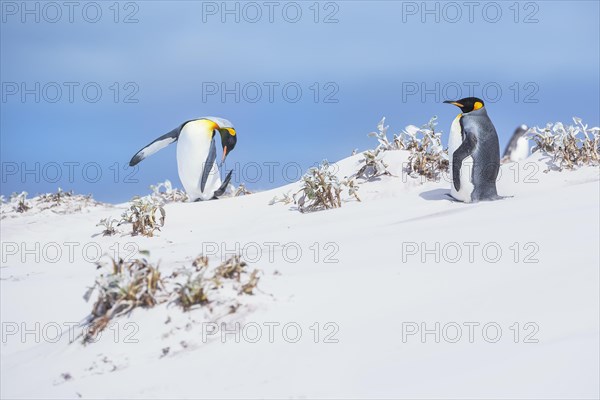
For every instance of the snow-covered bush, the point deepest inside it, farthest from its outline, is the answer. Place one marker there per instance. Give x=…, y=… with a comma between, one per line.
x=427, y=156
x=373, y=165
x=285, y=198
x=322, y=189
x=381, y=136
x=146, y=215
x=241, y=190
x=59, y=203
x=20, y=203
x=570, y=146
x=55, y=198
x=109, y=226
x=165, y=192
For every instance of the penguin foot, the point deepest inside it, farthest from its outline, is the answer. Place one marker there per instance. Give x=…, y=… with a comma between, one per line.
x=495, y=197
x=502, y=197
x=223, y=187
x=452, y=199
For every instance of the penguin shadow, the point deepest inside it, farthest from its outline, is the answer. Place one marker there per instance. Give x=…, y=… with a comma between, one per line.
x=437, y=195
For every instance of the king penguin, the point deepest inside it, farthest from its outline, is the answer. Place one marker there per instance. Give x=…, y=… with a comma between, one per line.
x=474, y=152
x=196, y=155
x=517, y=148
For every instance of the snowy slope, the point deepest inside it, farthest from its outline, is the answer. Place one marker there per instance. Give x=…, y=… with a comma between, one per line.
x=374, y=277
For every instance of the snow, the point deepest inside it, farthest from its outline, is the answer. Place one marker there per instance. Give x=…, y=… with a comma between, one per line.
x=369, y=281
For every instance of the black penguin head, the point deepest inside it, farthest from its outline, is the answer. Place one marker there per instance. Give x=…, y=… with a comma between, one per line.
x=228, y=140
x=227, y=132
x=521, y=130
x=467, y=104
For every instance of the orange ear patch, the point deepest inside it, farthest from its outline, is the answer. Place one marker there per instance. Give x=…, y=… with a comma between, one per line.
x=477, y=105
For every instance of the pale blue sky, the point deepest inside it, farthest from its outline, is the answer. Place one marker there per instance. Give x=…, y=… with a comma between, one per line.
x=367, y=61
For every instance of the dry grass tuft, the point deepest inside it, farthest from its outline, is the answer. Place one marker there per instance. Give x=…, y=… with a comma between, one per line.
x=109, y=226
x=248, y=287
x=241, y=191
x=146, y=215
x=285, y=198
x=193, y=291
x=129, y=285
x=321, y=189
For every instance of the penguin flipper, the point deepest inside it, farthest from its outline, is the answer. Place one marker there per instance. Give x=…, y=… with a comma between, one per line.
x=156, y=145
x=208, y=164
x=463, y=151
x=223, y=187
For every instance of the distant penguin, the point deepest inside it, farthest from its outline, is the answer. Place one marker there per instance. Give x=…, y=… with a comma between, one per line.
x=517, y=148
x=196, y=155
x=474, y=153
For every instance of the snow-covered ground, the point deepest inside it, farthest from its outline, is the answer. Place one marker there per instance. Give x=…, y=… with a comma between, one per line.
x=404, y=294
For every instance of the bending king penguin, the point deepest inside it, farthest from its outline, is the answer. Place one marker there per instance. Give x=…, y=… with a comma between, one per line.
x=474, y=153
x=196, y=155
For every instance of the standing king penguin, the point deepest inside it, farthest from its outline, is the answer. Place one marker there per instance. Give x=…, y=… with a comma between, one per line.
x=474, y=153
x=196, y=155
x=517, y=148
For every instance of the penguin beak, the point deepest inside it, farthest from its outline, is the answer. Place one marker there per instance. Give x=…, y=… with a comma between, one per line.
x=453, y=102
x=228, y=139
x=224, y=154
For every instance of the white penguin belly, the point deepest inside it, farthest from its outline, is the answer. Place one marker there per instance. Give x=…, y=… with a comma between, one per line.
x=466, y=181
x=521, y=151
x=193, y=147
x=455, y=138
x=466, y=184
